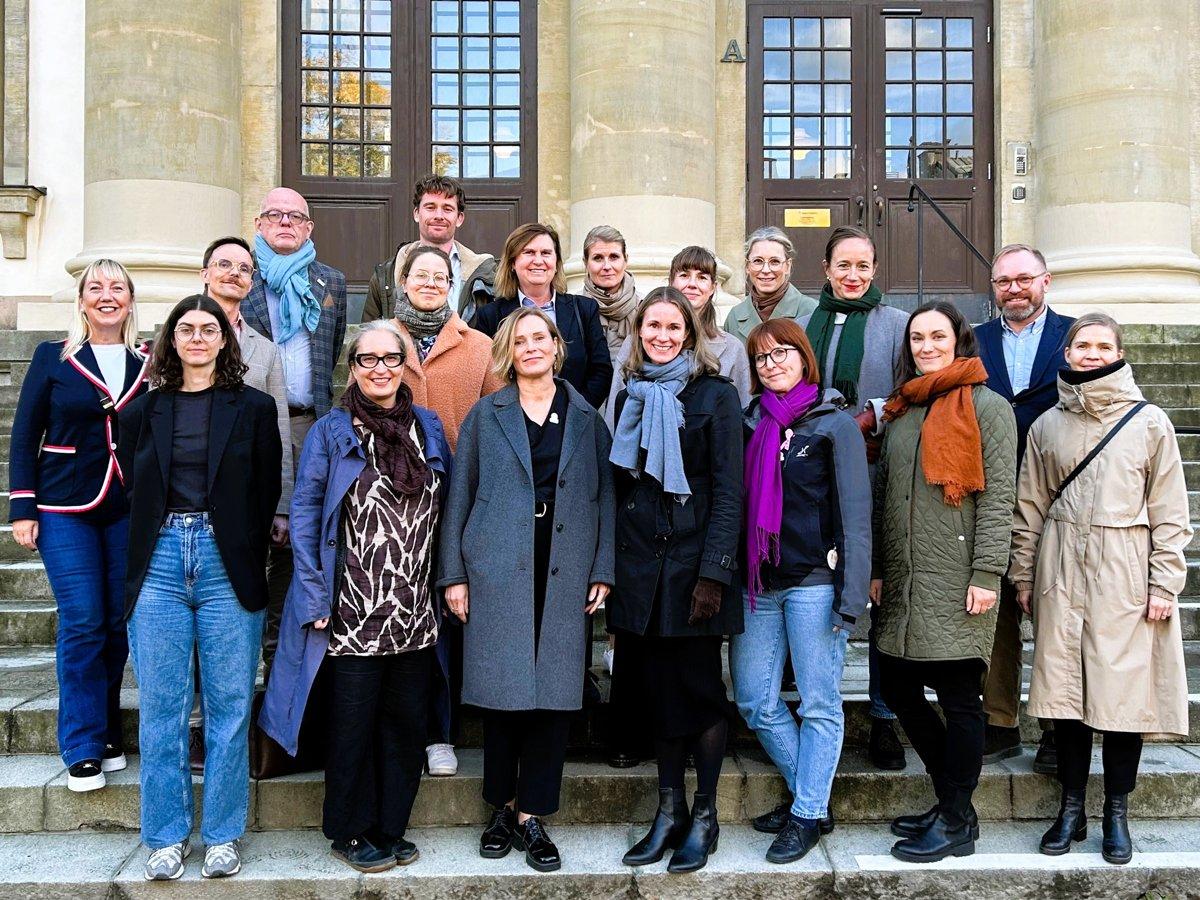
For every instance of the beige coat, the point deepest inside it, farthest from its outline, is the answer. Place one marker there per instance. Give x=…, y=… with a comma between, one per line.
x=264, y=372
x=1091, y=558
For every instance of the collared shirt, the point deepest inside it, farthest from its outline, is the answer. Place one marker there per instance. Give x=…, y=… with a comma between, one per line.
x=548, y=309
x=297, y=358
x=456, y=275
x=1020, y=350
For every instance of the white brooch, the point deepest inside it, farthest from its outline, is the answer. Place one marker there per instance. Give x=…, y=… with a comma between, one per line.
x=553, y=418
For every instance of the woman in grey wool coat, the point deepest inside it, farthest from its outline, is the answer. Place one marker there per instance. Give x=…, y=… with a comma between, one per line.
x=527, y=555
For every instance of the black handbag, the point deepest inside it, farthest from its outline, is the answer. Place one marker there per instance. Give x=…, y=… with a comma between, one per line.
x=269, y=760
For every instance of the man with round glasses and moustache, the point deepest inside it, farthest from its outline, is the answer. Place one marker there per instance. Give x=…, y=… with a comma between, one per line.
x=1022, y=350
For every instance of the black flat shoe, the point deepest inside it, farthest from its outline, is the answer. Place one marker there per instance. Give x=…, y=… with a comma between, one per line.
x=1000, y=743
x=1117, y=847
x=772, y=822
x=619, y=759
x=497, y=838
x=360, y=854
x=1070, y=826
x=405, y=852
x=540, y=852
x=793, y=842
x=701, y=838
x=946, y=836
x=1046, y=760
x=916, y=825
x=884, y=748
x=667, y=832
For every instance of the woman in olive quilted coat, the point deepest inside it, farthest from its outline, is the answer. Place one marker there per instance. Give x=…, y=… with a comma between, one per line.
x=944, y=494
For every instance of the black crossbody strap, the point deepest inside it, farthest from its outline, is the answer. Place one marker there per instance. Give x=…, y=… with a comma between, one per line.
x=1112, y=433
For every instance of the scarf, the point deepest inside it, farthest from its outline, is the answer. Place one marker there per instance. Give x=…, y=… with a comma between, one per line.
x=421, y=323
x=766, y=303
x=287, y=277
x=617, y=305
x=1083, y=376
x=951, y=446
x=847, y=360
x=651, y=420
x=395, y=450
x=764, y=477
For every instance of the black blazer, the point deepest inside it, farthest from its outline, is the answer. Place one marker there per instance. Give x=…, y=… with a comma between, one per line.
x=245, y=461
x=588, y=367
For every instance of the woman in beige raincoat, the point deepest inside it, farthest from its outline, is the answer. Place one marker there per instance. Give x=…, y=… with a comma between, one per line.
x=1100, y=568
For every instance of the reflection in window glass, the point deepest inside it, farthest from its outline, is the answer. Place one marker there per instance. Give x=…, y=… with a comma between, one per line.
x=958, y=32
x=775, y=33
x=315, y=160
x=959, y=131
x=837, y=164
x=347, y=161
x=315, y=50
x=806, y=33
x=958, y=98
x=806, y=164
x=929, y=98
x=898, y=98
x=837, y=66
x=346, y=15
x=777, y=164
x=316, y=87
x=506, y=162
x=315, y=15
x=929, y=32
x=958, y=66
x=475, y=161
x=347, y=52
x=806, y=132
x=379, y=89
x=897, y=163
x=347, y=88
x=776, y=98
x=897, y=33
x=898, y=65
x=837, y=32
x=379, y=125
x=929, y=65
x=377, y=161
x=837, y=98
x=445, y=160
x=315, y=123
x=347, y=124
x=961, y=164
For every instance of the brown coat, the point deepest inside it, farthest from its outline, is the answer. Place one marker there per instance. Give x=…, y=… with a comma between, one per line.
x=455, y=374
x=1117, y=534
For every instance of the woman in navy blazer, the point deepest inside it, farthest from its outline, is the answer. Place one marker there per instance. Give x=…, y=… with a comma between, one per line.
x=66, y=501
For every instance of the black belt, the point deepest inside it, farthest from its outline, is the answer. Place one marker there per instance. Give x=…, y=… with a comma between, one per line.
x=295, y=411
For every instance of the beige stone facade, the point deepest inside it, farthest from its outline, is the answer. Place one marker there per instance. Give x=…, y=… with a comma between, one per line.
x=640, y=125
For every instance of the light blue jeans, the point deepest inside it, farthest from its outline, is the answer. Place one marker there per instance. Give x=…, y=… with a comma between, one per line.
x=800, y=620
x=187, y=603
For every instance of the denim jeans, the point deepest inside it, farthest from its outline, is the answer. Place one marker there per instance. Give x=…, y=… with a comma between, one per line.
x=799, y=620
x=85, y=563
x=187, y=602
x=877, y=709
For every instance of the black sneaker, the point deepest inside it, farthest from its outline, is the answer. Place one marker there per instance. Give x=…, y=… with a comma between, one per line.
x=1000, y=743
x=1046, y=761
x=540, y=852
x=196, y=749
x=359, y=853
x=113, y=759
x=86, y=775
x=885, y=750
x=772, y=822
x=793, y=842
x=404, y=851
x=497, y=838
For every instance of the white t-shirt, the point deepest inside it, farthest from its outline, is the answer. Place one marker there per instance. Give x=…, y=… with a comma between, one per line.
x=111, y=358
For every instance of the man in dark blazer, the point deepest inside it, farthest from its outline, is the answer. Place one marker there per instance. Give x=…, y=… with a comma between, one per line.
x=1022, y=350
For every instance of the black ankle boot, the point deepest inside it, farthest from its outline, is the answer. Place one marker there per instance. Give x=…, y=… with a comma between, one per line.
x=1071, y=824
x=949, y=834
x=670, y=827
x=915, y=825
x=1117, y=847
x=701, y=837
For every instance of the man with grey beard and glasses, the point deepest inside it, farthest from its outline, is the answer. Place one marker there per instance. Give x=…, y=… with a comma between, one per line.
x=1022, y=350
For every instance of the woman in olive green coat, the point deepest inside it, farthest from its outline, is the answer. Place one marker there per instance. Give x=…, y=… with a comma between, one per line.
x=944, y=493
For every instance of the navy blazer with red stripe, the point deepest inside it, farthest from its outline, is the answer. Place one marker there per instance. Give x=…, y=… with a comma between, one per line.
x=62, y=457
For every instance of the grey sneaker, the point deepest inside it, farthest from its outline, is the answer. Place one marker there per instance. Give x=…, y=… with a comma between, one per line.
x=166, y=863
x=221, y=860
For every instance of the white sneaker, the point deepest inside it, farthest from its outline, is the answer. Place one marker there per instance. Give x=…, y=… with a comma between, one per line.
x=222, y=860
x=441, y=760
x=166, y=863
x=113, y=759
x=608, y=659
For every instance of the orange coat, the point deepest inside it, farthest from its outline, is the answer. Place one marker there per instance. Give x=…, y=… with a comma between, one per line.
x=455, y=374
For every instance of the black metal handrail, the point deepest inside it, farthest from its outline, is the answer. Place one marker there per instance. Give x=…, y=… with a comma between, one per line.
x=916, y=194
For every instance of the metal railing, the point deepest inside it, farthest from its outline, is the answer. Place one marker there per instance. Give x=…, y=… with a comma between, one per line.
x=917, y=199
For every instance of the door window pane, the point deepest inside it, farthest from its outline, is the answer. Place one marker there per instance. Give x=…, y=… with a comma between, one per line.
x=315, y=15
x=347, y=161
x=445, y=90
x=837, y=131
x=506, y=17
x=777, y=164
x=898, y=130
x=776, y=65
x=445, y=159
x=346, y=15
x=959, y=131
x=897, y=163
x=775, y=33
x=929, y=32
x=806, y=164
x=315, y=50
x=347, y=88
x=958, y=65
x=315, y=123
x=837, y=98
x=316, y=87
x=958, y=98
x=776, y=98
x=445, y=16
x=476, y=89
x=898, y=65
x=506, y=126
x=961, y=164
x=806, y=98
x=379, y=52
x=477, y=53
x=806, y=65
x=898, y=98
x=315, y=160
x=506, y=90
x=929, y=65
x=347, y=124
x=379, y=89
x=837, y=164
x=929, y=98
x=806, y=33
x=476, y=17
x=508, y=53
x=897, y=33
x=475, y=161
x=377, y=16
x=958, y=32
x=837, y=66
x=806, y=132
x=445, y=125
x=445, y=53
x=929, y=130
x=377, y=161
x=476, y=125
x=506, y=162
x=378, y=125
x=837, y=32
x=775, y=131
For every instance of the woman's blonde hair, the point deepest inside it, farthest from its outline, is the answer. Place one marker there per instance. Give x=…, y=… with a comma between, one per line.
x=80, y=329
x=506, y=338
x=703, y=360
x=1095, y=318
x=506, y=284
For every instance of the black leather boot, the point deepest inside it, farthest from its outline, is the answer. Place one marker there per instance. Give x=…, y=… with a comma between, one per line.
x=1117, y=847
x=918, y=824
x=1071, y=824
x=701, y=838
x=670, y=827
x=949, y=834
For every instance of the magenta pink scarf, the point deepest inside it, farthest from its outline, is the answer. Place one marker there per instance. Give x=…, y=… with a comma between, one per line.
x=764, y=478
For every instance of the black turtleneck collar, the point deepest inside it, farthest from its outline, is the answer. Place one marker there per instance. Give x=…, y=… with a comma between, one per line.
x=1083, y=376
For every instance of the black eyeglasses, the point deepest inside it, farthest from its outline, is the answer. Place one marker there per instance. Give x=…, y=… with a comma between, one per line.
x=777, y=355
x=275, y=216
x=371, y=360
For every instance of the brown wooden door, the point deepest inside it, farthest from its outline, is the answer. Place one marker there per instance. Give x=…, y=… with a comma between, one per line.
x=378, y=93
x=848, y=101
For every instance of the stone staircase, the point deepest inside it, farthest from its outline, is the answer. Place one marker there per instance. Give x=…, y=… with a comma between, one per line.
x=60, y=844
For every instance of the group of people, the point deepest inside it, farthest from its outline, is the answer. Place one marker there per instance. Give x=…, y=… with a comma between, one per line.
x=508, y=458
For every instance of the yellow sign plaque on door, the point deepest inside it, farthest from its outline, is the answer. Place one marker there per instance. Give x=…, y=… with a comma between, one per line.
x=806, y=218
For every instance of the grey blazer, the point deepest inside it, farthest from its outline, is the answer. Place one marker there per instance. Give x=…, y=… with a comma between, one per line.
x=266, y=374
x=487, y=544
x=882, y=343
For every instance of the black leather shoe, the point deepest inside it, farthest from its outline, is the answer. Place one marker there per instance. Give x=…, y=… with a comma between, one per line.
x=701, y=839
x=1000, y=743
x=497, y=838
x=772, y=822
x=196, y=749
x=1117, y=847
x=670, y=827
x=540, y=852
x=1046, y=761
x=793, y=842
x=359, y=853
x=884, y=748
x=619, y=759
x=1071, y=825
x=914, y=826
x=405, y=852
x=948, y=835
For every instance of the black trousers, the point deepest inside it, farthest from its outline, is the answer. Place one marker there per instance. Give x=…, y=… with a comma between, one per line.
x=1122, y=753
x=952, y=751
x=523, y=756
x=377, y=743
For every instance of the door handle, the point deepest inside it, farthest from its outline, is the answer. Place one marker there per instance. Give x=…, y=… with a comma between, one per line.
x=862, y=210
x=879, y=208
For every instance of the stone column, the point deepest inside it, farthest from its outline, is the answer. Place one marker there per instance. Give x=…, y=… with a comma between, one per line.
x=643, y=128
x=162, y=167
x=1112, y=158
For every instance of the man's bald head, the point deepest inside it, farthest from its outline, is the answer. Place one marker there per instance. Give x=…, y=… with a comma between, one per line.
x=293, y=226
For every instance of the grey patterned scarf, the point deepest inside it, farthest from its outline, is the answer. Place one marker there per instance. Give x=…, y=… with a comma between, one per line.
x=419, y=322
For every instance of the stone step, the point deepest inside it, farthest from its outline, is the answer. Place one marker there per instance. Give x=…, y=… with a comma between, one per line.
x=25, y=579
x=1188, y=417
x=34, y=794
x=1162, y=352
x=10, y=550
x=852, y=862
x=1172, y=394
x=1148, y=373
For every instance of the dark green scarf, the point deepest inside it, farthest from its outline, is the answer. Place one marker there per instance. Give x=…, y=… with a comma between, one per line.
x=847, y=360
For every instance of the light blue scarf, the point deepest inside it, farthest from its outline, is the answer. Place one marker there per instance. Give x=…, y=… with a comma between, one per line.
x=287, y=277
x=651, y=420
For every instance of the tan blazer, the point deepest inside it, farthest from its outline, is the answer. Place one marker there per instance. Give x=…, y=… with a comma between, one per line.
x=265, y=373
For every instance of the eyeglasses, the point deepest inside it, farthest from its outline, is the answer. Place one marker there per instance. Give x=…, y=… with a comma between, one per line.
x=275, y=216
x=1021, y=281
x=371, y=360
x=227, y=265
x=758, y=264
x=437, y=279
x=207, y=333
x=777, y=355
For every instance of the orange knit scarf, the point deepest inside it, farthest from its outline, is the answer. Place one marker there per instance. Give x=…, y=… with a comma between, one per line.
x=951, y=446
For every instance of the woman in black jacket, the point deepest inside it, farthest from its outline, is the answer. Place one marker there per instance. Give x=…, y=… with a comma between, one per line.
x=202, y=462
x=678, y=453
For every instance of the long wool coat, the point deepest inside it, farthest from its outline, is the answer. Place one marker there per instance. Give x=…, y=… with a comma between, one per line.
x=487, y=543
x=1117, y=534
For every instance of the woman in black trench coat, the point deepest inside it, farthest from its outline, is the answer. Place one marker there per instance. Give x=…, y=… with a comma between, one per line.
x=677, y=451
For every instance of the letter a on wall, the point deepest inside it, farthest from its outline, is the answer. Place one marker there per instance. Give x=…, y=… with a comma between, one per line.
x=733, y=53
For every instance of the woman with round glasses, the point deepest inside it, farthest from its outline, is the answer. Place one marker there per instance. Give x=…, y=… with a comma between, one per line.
x=369, y=493
x=770, y=293
x=202, y=463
